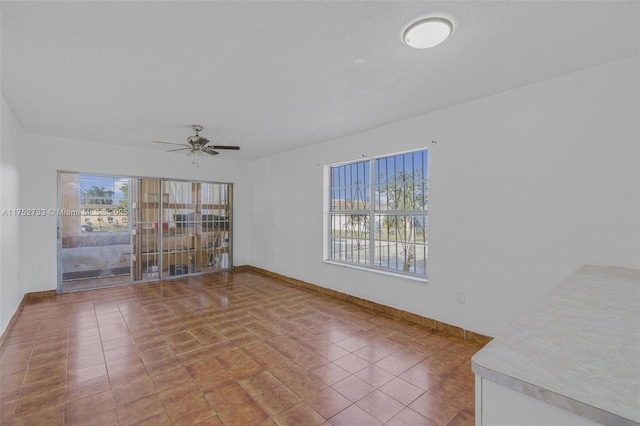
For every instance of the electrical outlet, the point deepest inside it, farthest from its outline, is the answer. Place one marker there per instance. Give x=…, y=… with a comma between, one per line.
x=461, y=296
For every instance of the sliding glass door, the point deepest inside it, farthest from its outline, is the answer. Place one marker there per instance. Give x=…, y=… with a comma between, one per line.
x=95, y=241
x=116, y=230
x=181, y=228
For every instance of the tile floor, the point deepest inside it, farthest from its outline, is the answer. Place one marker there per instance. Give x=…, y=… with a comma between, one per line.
x=227, y=349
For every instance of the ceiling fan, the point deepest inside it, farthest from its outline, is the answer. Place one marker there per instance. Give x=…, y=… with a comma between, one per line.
x=198, y=145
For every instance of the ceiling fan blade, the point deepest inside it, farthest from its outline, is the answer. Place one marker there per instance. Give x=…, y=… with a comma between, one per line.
x=170, y=143
x=235, y=148
x=197, y=143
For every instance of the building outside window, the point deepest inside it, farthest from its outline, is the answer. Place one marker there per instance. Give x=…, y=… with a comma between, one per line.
x=378, y=213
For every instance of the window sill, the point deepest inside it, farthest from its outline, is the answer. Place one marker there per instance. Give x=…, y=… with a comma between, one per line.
x=379, y=271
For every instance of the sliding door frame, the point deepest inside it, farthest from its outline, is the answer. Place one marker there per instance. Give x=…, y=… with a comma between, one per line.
x=133, y=205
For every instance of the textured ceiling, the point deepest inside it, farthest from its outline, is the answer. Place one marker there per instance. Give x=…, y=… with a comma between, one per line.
x=274, y=76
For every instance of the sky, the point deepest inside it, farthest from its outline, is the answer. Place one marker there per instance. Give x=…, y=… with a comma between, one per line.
x=352, y=181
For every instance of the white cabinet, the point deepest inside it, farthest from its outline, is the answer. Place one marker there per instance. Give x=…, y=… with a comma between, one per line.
x=497, y=405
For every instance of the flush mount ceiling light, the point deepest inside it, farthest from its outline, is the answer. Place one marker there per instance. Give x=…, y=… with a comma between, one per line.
x=427, y=33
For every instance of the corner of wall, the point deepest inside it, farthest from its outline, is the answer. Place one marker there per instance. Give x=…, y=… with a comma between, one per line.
x=11, y=288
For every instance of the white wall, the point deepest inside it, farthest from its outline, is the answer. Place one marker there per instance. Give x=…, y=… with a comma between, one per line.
x=11, y=290
x=524, y=187
x=39, y=186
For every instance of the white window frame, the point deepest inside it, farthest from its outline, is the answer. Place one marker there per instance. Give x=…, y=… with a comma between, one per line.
x=374, y=211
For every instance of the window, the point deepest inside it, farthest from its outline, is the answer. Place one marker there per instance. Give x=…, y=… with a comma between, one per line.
x=378, y=213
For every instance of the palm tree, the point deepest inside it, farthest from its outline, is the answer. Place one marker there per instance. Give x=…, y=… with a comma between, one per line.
x=99, y=196
x=124, y=203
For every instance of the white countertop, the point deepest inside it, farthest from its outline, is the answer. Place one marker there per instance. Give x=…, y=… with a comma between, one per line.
x=578, y=348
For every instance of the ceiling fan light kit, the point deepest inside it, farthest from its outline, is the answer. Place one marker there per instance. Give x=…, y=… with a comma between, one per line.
x=197, y=146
